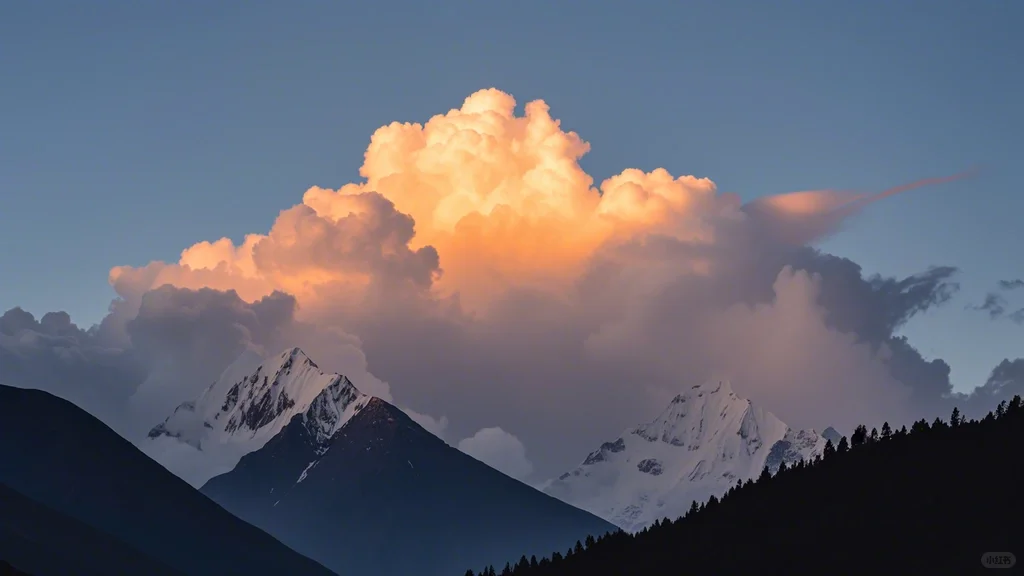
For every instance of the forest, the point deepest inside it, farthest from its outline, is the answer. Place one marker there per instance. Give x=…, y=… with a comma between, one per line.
x=933, y=499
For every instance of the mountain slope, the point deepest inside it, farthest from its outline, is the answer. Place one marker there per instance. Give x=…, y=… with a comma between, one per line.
x=60, y=456
x=383, y=497
x=705, y=441
x=938, y=500
x=250, y=403
x=43, y=542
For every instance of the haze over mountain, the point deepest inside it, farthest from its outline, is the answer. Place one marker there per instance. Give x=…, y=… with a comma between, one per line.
x=706, y=441
x=71, y=463
x=355, y=483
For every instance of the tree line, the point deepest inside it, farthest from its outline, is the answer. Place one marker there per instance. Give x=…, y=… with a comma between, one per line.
x=929, y=500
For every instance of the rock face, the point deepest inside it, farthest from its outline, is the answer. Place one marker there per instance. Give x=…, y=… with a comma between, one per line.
x=705, y=441
x=383, y=496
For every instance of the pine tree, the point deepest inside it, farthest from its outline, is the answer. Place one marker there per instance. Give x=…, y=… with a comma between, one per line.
x=766, y=475
x=578, y=548
x=693, y=509
x=533, y=561
x=829, y=448
x=874, y=435
x=1001, y=409
x=843, y=445
x=782, y=467
x=1014, y=405
x=589, y=542
x=955, y=418
x=507, y=571
x=886, y=431
x=860, y=435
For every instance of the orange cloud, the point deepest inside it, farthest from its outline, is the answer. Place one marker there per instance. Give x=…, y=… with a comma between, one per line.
x=472, y=202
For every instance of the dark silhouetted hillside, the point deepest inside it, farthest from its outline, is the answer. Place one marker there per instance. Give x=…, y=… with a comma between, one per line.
x=932, y=500
x=8, y=570
x=43, y=542
x=58, y=455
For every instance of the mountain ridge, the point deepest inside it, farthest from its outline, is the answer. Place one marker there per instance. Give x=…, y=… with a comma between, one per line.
x=384, y=496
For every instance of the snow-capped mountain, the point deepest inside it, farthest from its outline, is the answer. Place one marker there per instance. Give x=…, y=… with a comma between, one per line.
x=384, y=496
x=248, y=405
x=704, y=442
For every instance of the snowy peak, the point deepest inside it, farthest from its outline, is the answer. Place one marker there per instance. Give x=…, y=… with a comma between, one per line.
x=705, y=441
x=253, y=400
x=697, y=415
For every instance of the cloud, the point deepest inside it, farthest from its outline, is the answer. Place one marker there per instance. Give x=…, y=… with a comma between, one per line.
x=179, y=341
x=435, y=426
x=994, y=305
x=79, y=365
x=997, y=306
x=1011, y=284
x=499, y=450
x=477, y=271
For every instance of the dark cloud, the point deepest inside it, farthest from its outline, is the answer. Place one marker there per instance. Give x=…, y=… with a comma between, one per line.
x=55, y=355
x=1011, y=284
x=996, y=305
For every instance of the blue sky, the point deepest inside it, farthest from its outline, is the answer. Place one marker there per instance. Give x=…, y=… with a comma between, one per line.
x=129, y=131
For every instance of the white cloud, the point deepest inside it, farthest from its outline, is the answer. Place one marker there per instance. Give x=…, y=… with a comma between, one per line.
x=499, y=450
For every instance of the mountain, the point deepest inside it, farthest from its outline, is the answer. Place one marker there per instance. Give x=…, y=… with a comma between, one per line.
x=941, y=499
x=43, y=542
x=249, y=404
x=68, y=461
x=704, y=442
x=379, y=496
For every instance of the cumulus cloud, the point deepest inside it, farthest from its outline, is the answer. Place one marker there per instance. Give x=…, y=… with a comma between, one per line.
x=435, y=426
x=481, y=273
x=499, y=450
x=82, y=366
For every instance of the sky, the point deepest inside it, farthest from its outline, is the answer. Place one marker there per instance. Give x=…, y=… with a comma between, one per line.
x=133, y=131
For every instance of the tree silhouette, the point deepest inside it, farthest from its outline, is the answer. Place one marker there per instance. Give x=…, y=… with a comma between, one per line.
x=859, y=436
x=801, y=520
x=829, y=448
x=954, y=418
